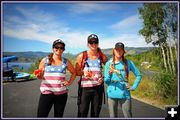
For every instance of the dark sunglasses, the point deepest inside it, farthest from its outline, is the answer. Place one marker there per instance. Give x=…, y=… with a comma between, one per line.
x=93, y=42
x=62, y=48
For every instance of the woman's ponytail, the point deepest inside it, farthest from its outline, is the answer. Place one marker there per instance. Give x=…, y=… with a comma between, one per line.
x=50, y=58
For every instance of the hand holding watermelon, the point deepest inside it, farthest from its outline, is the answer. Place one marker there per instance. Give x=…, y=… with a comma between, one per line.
x=88, y=74
x=38, y=73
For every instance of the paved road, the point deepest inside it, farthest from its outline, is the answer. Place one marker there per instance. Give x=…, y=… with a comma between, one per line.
x=20, y=100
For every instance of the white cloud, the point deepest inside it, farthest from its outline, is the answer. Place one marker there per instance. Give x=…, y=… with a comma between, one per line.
x=48, y=30
x=42, y=26
x=35, y=14
x=34, y=25
x=129, y=40
x=89, y=8
x=127, y=24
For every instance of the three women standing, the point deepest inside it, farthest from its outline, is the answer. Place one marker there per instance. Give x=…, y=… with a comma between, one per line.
x=89, y=67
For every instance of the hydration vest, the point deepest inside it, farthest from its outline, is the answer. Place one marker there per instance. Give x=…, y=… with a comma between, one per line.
x=94, y=66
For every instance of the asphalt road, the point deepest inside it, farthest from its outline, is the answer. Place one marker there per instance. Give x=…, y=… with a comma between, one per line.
x=20, y=100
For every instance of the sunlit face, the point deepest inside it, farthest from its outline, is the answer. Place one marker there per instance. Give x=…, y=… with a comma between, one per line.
x=118, y=52
x=58, y=49
x=93, y=45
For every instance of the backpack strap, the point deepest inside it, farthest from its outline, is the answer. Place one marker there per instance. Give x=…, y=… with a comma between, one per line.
x=126, y=75
x=84, y=60
x=85, y=57
x=100, y=56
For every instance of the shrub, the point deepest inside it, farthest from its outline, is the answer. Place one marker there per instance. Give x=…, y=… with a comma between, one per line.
x=165, y=84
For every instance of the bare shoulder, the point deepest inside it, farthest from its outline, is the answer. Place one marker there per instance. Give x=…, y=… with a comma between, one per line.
x=69, y=61
x=42, y=60
x=79, y=57
x=42, y=63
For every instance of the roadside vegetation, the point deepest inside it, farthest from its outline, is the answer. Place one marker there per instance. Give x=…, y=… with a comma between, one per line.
x=159, y=88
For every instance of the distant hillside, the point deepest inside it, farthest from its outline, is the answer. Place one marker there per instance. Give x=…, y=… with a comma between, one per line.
x=33, y=56
x=129, y=50
x=26, y=56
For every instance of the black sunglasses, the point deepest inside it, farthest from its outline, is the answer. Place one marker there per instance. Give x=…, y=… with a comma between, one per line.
x=62, y=48
x=93, y=42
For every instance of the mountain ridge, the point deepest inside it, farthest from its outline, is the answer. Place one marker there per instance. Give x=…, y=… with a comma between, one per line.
x=32, y=56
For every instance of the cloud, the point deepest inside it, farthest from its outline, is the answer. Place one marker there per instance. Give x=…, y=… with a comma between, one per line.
x=89, y=8
x=132, y=23
x=35, y=14
x=35, y=24
x=29, y=26
x=129, y=40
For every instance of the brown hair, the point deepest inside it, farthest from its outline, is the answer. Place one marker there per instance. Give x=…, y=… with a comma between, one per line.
x=124, y=61
x=113, y=57
x=50, y=58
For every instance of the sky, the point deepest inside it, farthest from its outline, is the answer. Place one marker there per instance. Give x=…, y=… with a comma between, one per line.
x=34, y=26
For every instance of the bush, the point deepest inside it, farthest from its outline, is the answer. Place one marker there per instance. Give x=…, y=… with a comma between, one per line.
x=165, y=84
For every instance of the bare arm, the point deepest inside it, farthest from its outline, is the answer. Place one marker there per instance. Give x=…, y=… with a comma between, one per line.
x=72, y=71
x=79, y=71
x=41, y=66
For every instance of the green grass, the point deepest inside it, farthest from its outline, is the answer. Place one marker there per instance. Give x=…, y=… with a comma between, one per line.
x=146, y=92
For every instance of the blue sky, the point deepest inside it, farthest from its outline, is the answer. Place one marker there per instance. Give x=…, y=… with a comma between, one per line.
x=34, y=26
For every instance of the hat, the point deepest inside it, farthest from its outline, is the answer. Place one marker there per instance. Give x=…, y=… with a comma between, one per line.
x=93, y=37
x=119, y=45
x=58, y=41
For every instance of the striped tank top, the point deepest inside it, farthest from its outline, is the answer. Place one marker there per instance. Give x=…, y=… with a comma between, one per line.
x=95, y=68
x=54, y=76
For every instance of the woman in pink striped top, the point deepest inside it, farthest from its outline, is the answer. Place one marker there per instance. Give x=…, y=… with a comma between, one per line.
x=54, y=84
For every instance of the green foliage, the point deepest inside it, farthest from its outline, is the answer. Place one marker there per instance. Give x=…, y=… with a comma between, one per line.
x=152, y=56
x=153, y=15
x=162, y=86
x=34, y=66
x=165, y=85
x=17, y=69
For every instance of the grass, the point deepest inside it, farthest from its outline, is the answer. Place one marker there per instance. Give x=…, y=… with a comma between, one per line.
x=145, y=92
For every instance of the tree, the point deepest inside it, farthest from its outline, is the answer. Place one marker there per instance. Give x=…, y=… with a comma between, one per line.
x=170, y=11
x=160, y=25
x=153, y=16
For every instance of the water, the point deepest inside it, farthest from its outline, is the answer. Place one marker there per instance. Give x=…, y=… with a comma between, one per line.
x=23, y=66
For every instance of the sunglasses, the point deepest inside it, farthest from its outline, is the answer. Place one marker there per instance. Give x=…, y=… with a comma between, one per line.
x=93, y=42
x=62, y=48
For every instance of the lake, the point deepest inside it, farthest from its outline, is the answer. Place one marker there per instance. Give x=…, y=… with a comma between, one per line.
x=24, y=66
